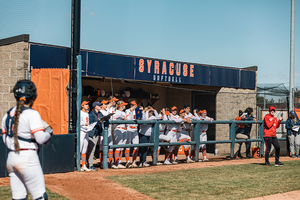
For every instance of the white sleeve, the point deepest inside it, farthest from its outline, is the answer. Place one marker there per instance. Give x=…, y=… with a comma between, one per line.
x=156, y=114
x=4, y=129
x=145, y=115
x=35, y=123
x=196, y=116
x=177, y=120
x=41, y=137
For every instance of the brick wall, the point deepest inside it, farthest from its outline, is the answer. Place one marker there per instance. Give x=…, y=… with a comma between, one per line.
x=177, y=97
x=14, y=60
x=228, y=103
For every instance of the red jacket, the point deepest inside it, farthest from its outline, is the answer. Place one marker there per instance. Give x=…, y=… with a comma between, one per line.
x=270, y=125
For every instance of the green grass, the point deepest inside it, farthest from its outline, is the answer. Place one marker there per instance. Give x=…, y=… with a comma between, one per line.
x=5, y=193
x=223, y=182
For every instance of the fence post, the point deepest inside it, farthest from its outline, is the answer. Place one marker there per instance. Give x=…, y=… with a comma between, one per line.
x=156, y=141
x=105, y=145
x=197, y=140
x=261, y=135
x=232, y=138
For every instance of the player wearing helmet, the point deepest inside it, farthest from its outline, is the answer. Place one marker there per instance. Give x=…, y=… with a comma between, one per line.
x=23, y=131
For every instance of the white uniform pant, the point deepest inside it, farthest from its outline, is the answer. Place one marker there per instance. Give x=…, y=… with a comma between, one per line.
x=173, y=135
x=132, y=137
x=203, y=137
x=25, y=173
x=84, y=141
x=181, y=137
x=120, y=136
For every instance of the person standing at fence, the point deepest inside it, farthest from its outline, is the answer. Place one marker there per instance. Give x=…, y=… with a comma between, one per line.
x=163, y=115
x=132, y=135
x=111, y=109
x=203, y=135
x=239, y=133
x=190, y=116
x=23, y=131
x=120, y=133
x=104, y=112
x=94, y=116
x=145, y=134
x=270, y=125
x=248, y=117
x=183, y=135
x=84, y=136
x=292, y=126
x=172, y=132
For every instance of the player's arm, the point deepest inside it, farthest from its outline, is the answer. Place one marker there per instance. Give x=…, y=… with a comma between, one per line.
x=42, y=131
x=268, y=123
x=4, y=129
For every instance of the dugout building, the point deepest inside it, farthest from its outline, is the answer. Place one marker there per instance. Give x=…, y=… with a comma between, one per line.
x=222, y=91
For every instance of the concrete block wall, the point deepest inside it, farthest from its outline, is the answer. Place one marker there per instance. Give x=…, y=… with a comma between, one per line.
x=177, y=97
x=228, y=103
x=14, y=60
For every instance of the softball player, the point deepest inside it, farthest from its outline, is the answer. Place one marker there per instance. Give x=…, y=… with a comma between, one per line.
x=84, y=136
x=132, y=135
x=103, y=110
x=183, y=135
x=23, y=131
x=189, y=127
x=111, y=109
x=172, y=132
x=120, y=133
x=203, y=129
x=145, y=134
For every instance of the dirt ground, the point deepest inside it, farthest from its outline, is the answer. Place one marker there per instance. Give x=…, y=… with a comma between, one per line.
x=94, y=185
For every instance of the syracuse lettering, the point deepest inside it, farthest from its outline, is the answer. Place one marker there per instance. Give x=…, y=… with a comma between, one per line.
x=166, y=71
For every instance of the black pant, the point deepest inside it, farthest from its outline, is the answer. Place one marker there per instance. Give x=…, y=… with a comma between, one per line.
x=269, y=141
x=143, y=150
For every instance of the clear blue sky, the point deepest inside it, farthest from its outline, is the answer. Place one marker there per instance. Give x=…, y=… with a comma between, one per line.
x=233, y=33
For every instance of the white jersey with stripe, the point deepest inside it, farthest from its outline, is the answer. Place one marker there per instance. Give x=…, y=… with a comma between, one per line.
x=119, y=115
x=131, y=116
x=84, y=118
x=147, y=129
x=177, y=119
x=30, y=122
x=204, y=127
x=162, y=126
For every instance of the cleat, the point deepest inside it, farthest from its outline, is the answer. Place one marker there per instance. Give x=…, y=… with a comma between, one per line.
x=92, y=168
x=114, y=167
x=128, y=165
x=84, y=168
x=278, y=164
x=175, y=162
x=159, y=163
x=190, y=161
x=134, y=165
x=268, y=164
x=205, y=160
x=120, y=166
x=167, y=162
x=145, y=164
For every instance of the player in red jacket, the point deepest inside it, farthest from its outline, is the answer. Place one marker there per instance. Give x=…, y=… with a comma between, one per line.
x=270, y=126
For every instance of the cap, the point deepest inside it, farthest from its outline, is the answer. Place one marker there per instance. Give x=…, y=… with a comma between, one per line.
x=293, y=113
x=167, y=112
x=84, y=103
x=133, y=103
x=181, y=111
x=272, y=108
x=104, y=102
x=123, y=104
x=96, y=103
x=173, y=108
x=151, y=108
x=113, y=99
x=203, y=111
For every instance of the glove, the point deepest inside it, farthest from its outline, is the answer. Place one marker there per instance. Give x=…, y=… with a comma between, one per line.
x=49, y=130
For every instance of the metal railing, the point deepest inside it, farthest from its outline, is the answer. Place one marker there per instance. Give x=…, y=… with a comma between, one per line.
x=196, y=130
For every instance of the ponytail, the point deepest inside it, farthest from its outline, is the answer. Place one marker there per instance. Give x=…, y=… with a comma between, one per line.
x=20, y=105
